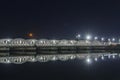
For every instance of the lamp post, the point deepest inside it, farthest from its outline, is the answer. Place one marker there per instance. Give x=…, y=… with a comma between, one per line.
x=78, y=36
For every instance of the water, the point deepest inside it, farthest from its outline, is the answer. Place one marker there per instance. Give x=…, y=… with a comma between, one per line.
x=85, y=65
x=108, y=69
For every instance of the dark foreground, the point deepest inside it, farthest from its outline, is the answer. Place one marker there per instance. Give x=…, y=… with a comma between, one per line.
x=108, y=69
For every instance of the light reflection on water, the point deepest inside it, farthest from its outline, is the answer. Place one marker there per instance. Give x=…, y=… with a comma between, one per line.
x=89, y=56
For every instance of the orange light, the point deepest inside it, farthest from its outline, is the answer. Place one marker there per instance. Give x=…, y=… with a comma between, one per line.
x=30, y=35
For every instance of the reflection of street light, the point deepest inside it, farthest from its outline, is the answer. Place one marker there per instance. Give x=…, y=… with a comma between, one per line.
x=96, y=59
x=88, y=37
x=109, y=56
x=33, y=59
x=102, y=57
x=8, y=61
x=88, y=60
x=113, y=56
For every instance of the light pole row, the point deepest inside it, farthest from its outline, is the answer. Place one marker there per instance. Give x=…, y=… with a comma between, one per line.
x=89, y=37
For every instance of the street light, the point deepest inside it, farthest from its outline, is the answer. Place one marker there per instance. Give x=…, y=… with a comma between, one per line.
x=88, y=37
x=95, y=38
x=30, y=35
x=78, y=36
x=102, y=39
x=113, y=39
x=109, y=39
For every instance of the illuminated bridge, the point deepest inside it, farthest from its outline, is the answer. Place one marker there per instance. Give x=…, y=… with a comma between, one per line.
x=19, y=50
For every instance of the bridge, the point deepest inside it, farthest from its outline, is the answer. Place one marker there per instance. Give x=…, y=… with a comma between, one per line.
x=45, y=42
x=20, y=50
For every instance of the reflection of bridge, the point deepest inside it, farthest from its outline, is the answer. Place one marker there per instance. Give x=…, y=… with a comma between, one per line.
x=30, y=50
x=46, y=58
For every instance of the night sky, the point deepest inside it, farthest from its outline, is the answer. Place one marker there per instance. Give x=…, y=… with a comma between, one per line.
x=60, y=20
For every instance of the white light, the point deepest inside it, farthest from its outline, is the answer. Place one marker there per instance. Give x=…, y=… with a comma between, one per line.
x=8, y=39
x=54, y=58
x=102, y=39
x=113, y=56
x=88, y=37
x=96, y=59
x=78, y=36
x=109, y=39
x=119, y=55
x=41, y=41
x=72, y=57
x=54, y=41
x=33, y=59
x=119, y=40
x=71, y=41
x=113, y=39
x=8, y=61
x=109, y=56
x=102, y=57
x=95, y=38
x=88, y=60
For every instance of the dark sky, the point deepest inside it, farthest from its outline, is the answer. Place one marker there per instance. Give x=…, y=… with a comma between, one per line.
x=58, y=19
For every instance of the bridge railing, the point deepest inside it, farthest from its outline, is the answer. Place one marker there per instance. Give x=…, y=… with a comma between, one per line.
x=45, y=42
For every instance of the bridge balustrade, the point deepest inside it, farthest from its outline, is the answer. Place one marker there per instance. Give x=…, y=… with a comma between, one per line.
x=45, y=42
